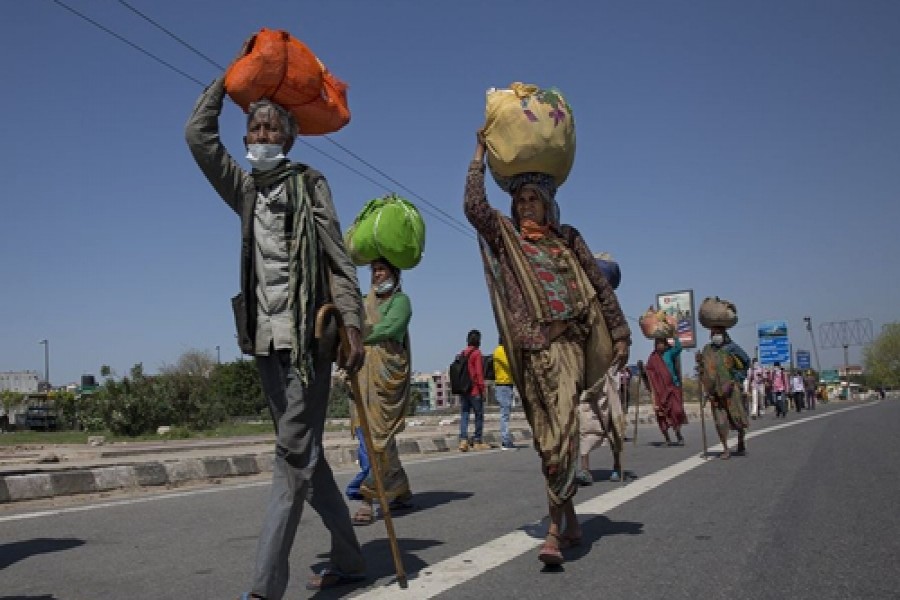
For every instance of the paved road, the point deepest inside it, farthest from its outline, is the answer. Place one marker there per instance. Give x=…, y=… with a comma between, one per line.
x=809, y=514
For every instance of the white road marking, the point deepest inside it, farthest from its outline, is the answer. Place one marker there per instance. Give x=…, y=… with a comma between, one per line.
x=453, y=571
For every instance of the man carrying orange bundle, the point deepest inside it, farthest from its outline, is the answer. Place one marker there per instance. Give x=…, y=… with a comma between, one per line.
x=293, y=262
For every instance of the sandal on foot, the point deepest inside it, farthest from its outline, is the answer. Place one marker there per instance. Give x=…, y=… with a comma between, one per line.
x=550, y=554
x=330, y=578
x=365, y=515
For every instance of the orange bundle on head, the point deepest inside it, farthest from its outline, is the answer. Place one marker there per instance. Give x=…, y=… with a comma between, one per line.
x=284, y=70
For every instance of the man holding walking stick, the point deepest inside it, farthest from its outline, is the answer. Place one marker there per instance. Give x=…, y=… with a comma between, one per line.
x=293, y=262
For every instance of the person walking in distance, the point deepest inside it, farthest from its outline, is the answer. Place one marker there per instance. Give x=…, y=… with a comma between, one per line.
x=756, y=378
x=503, y=388
x=779, y=390
x=665, y=386
x=810, y=383
x=798, y=390
x=474, y=400
x=723, y=366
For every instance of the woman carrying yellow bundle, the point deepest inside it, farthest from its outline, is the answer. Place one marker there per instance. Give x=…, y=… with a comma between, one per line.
x=560, y=321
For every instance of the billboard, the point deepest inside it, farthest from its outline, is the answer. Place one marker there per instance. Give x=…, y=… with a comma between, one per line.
x=774, y=345
x=681, y=306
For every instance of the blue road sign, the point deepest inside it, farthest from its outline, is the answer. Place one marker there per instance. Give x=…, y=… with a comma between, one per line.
x=803, y=361
x=774, y=345
x=774, y=349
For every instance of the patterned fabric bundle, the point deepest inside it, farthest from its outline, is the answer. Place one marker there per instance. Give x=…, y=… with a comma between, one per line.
x=528, y=129
x=656, y=324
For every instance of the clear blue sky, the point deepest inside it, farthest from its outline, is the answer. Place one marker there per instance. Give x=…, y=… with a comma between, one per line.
x=742, y=149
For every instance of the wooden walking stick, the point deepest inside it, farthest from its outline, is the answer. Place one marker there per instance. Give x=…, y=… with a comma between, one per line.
x=637, y=402
x=321, y=316
x=698, y=368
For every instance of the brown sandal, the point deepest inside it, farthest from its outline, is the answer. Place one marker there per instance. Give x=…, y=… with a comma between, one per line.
x=550, y=554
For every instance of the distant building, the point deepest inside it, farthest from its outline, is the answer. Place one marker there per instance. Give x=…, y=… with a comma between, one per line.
x=23, y=382
x=435, y=390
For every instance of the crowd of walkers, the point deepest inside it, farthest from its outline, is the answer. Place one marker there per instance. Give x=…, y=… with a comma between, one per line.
x=780, y=389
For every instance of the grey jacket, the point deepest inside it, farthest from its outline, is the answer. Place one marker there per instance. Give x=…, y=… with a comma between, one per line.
x=237, y=189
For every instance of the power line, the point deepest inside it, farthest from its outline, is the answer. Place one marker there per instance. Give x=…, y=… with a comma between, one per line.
x=171, y=35
x=391, y=179
x=452, y=224
x=130, y=43
x=447, y=219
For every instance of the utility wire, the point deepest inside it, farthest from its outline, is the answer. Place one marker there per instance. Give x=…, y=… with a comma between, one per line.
x=391, y=179
x=453, y=221
x=126, y=41
x=452, y=224
x=171, y=35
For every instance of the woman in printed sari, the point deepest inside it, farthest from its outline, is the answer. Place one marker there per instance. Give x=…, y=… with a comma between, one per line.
x=561, y=323
x=665, y=387
x=384, y=383
x=722, y=367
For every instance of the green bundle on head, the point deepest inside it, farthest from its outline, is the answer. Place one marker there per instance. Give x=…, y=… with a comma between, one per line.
x=389, y=227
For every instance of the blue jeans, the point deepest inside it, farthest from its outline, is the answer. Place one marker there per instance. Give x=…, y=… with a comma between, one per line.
x=504, y=399
x=353, y=487
x=466, y=404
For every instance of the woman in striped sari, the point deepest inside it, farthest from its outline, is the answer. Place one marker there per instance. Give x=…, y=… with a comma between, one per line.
x=561, y=322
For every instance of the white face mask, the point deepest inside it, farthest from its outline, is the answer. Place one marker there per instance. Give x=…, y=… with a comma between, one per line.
x=385, y=287
x=264, y=157
x=718, y=339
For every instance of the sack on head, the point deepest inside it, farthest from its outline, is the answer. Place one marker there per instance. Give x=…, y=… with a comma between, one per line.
x=716, y=312
x=283, y=69
x=528, y=129
x=609, y=268
x=656, y=324
x=389, y=227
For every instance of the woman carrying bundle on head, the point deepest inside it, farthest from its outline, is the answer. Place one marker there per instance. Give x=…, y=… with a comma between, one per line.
x=561, y=324
x=665, y=386
x=722, y=366
x=384, y=382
